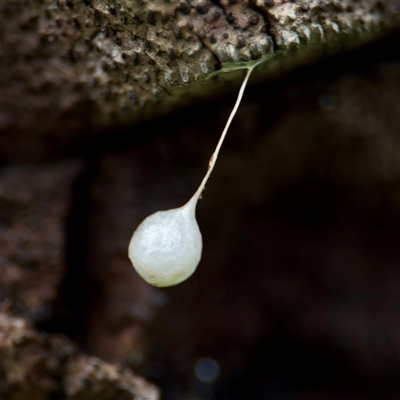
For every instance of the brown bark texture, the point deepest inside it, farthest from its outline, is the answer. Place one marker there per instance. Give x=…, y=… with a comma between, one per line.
x=70, y=66
x=37, y=367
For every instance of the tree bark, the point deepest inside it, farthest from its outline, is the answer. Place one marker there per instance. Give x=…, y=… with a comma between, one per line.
x=72, y=64
x=53, y=367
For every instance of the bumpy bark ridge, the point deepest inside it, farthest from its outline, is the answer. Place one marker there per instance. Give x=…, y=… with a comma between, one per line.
x=70, y=63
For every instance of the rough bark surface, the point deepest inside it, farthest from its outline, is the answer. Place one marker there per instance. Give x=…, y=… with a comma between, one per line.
x=36, y=366
x=73, y=64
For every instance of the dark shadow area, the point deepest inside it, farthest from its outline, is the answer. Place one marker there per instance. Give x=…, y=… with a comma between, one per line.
x=75, y=290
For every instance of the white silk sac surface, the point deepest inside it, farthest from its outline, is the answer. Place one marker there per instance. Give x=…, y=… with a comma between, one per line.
x=166, y=247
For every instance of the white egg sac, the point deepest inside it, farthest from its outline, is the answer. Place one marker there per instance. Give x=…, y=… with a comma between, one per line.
x=166, y=247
